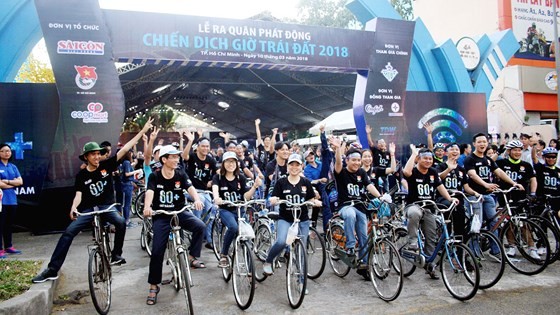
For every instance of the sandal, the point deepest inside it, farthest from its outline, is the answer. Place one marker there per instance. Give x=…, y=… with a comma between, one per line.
x=197, y=264
x=224, y=263
x=152, y=300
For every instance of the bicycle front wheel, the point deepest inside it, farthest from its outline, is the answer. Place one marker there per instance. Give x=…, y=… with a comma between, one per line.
x=147, y=235
x=552, y=235
x=218, y=232
x=520, y=238
x=261, y=246
x=243, y=275
x=336, y=242
x=139, y=204
x=185, y=284
x=459, y=271
x=384, y=266
x=316, y=254
x=296, y=274
x=489, y=252
x=99, y=276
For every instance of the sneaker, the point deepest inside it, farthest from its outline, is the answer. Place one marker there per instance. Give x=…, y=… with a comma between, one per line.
x=267, y=269
x=511, y=251
x=413, y=247
x=209, y=246
x=533, y=254
x=541, y=251
x=350, y=252
x=47, y=274
x=13, y=251
x=3, y=254
x=364, y=273
x=117, y=260
x=224, y=263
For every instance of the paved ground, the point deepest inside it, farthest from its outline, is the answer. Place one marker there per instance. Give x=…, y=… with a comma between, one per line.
x=329, y=293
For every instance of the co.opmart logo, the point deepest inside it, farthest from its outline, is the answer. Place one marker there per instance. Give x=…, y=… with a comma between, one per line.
x=94, y=114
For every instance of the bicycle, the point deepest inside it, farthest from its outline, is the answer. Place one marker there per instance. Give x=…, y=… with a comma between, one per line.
x=177, y=253
x=383, y=261
x=242, y=268
x=548, y=221
x=296, y=266
x=99, y=263
x=516, y=231
x=490, y=264
x=458, y=265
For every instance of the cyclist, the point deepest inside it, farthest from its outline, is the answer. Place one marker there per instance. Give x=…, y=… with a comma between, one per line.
x=201, y=167
x=230, y=185
x=481, y=172
x=293, y=188
x=423, y=183
x=548, y=176
x=278, y=167
x=438, y=148
x=375, y=172
x=94, y=188
x=454, y=177
x=353, y=184
x=165, y=191
x=381, y=156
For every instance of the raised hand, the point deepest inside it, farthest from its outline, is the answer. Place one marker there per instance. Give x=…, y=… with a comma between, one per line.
x=257, y=121
x=392, y=148
x=369, y=129
x=188, y=134
x=414, y=149
x=428, y=126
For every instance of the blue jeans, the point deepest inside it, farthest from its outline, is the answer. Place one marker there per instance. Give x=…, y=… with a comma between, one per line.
x=81, y=223
x=487, y=211
x=229, y=219
x=208, y=207
x=161, y=228
x=327, y=213
x=282, y=227
x=355, y=220
x=127, y=189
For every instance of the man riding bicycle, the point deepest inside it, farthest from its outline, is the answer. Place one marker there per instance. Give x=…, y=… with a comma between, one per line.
x=353, y=184
x=423, y=182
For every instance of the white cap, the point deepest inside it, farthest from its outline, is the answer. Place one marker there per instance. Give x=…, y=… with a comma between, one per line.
x=245, y=143
x=168, y=149
x=157, y=148
x=229, y=155
x=295, y=158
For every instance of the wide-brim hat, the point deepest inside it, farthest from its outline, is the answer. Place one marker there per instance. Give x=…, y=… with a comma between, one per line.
x=91, y=147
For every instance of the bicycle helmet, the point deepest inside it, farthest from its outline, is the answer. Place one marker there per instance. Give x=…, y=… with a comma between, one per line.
x=549, y=150
x=514, y=144
x=439, y=145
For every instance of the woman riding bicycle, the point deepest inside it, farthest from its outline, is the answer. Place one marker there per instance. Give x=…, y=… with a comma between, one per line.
x=296, y=189
x=230, y=185
x=165, y=191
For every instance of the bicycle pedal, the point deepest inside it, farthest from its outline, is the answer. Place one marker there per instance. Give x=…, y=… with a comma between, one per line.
x=165, y=282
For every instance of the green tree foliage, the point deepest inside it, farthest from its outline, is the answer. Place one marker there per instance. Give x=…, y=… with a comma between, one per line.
x=404, y=8
x=34, y=71
x=164, y=116
x=331, y=13
x=334, y=13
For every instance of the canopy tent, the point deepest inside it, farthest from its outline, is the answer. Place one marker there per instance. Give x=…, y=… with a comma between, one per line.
x=343, y=120
x=317, y=140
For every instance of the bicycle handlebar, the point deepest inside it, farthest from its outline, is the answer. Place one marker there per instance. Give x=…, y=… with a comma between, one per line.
x=111, y=208
x=477, y=200
x=297, y=205
x=243, y=204
x=423, y=203
x=174, y=212
x=500, y=191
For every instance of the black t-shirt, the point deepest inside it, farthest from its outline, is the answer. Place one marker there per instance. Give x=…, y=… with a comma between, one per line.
x=248, y=162
x=374, y=174
x=277, y=172
x=298, y=193
x=97, y=186
x=422, y=186
x=263, y=157
x=520, y=173
x=381, y=159
x=548, y=180
x=352, y=186
x=484, y=168
x=168, y=193
x=232, y=191
x=455, y=179
x=201, y=172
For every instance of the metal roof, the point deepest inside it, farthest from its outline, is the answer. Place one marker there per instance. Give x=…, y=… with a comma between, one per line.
x=288, y=100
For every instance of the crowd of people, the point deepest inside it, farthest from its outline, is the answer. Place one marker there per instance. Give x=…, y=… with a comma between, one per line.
x=333, y=176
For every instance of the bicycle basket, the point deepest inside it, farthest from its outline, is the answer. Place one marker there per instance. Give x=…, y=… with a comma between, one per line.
x=245, y=230
x=383, y=208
